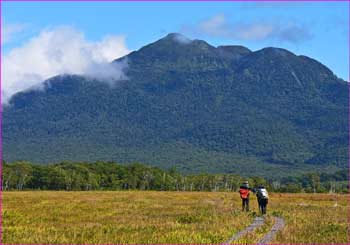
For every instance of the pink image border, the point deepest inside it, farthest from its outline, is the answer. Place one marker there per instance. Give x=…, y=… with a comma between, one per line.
x=1, y=152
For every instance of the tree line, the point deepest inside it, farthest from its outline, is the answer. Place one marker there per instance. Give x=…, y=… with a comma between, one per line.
x=85, y=176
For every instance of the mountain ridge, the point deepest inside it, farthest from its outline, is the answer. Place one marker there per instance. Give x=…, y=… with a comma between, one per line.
x=191, y=105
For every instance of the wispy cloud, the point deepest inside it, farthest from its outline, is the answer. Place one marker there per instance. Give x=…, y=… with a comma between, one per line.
x=10, y=30
x=181, y=38
x=219, y=26
x=61, y=50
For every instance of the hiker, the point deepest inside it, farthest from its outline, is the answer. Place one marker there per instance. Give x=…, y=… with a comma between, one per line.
x=263, y=198
x=244, y=192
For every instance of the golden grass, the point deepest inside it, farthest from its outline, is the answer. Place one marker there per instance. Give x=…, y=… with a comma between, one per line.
x=165, y=217
x=121, y=217
x=312, y=218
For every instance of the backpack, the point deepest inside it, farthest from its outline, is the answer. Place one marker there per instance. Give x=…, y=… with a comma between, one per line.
x=262, y=194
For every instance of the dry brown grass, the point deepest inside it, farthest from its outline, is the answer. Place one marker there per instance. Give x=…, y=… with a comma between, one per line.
x=121, y=217
x=312, y=218
x=165, y=217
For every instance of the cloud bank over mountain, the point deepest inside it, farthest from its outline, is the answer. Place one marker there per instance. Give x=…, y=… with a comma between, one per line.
x=60, y=50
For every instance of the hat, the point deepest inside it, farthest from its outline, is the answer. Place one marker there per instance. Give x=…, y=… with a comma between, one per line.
x=245, y=183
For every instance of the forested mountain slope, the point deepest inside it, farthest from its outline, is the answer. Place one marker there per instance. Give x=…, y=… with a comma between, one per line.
x=190, y=105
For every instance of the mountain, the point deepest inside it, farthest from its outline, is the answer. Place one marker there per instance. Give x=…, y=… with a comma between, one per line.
x=188, y=104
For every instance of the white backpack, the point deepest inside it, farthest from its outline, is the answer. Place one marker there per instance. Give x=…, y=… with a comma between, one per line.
x=263, y=193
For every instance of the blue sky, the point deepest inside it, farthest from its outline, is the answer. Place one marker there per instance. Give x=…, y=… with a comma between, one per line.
x=318, y=30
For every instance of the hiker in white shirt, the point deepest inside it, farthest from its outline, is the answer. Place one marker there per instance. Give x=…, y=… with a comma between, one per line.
x=263, y=198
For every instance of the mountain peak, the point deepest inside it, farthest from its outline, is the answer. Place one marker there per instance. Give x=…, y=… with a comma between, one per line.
x=177, y=37
x=173, y=46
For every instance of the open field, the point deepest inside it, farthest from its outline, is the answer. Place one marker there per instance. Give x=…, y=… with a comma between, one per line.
x=167, y=217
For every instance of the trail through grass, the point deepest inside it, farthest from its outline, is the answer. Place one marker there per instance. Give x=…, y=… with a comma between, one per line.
x=167, y=217
x=277, y=226
x=258, y=221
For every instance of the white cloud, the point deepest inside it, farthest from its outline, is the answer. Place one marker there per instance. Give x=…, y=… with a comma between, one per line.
x=215, y=25
x=10, y=30
x=181, y=38
x=106, y=71
x=218, y=26
x=62, y=50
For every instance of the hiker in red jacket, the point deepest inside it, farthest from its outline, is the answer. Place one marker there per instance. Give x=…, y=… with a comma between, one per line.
x=244, y=191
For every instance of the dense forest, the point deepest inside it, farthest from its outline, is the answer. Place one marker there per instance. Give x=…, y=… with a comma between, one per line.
x=85, y=176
